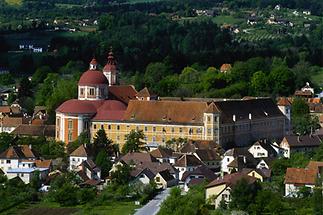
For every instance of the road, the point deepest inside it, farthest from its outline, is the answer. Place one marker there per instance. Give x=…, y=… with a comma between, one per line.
x=153, y=206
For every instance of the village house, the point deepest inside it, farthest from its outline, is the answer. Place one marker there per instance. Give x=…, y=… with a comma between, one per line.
x=306, y=92
x=220, y=188
x=197, y=176
x=285, y=106
x=164, y=155
x=236, y=159
x=22, y=161
x=82, y=153
x=225, y=68
x=263, y=149
x=297, y=143
x=187, y=163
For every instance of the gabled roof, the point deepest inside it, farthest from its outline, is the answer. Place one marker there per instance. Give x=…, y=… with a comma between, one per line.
x=300, y=176
x=138, y=158
x=267, y=146
x=123, y=93
x=303, y=141
x=144, y=93
x=212, y=108
x=283, y=101
x=208, y=154
x=83, y=150
x=166, y=175
x=188, y=160
x=225, y=67
x=19, y=152
x=200, y=171
x=315, y=165
x=156, y=167
x=137, y=172
x=231, y=179
x=162, y=153
x=264, y=174
x=43, y=163
x=35, y=130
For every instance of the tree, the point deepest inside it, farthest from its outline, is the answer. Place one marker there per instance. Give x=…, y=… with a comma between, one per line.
x=242, y=195
x=40, y=75
x=6, y=140
x=317, y=197
x=24, y=88
x=267, y=202
x=259, y=83
x=103, y=161
x=35, y=181
x=134, y=142
x=102, y=142
x=122, y=174
x=302, y=121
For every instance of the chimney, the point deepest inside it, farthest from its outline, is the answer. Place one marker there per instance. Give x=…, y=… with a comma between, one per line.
x=249, y=116
x=234, y=117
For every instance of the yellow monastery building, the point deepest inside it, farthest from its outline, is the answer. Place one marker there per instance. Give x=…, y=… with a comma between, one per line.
x=118, y=109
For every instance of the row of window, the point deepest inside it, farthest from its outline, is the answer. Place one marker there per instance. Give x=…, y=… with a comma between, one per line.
x=154, y=129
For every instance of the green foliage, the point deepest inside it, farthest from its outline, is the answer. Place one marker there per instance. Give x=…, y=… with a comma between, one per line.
x=6, y=140
x=303, y=122
x=267, y=202
x=134, y=142
x=101, y=141
x=242, y=195
x=122, y=175
x=103, y=161
x=193, y=203
x=317, y=200
x=6, y=79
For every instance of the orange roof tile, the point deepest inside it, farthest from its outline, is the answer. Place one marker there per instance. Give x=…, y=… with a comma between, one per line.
x=283, y=101
x=300, y=176
x=225, y=67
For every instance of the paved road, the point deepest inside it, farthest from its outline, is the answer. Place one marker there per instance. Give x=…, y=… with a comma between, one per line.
x=153, y=206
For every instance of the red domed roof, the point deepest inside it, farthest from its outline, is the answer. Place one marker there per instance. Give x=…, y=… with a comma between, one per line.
x=93, y=77
x=110, y=68
x=75, y=106
x=111, y=110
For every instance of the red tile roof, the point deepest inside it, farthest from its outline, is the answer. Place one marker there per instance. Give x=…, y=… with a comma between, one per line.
x=123, y=93
x=110, y=110
x=225, y=67
x=188, y=160
x=283, y=101
x=231, y=179
x=92, y=77
x=300, y=176
x=76, y=106
x=18, y=152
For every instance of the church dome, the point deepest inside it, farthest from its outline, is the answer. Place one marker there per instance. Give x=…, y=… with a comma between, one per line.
x=75, y=106
x=93, y=77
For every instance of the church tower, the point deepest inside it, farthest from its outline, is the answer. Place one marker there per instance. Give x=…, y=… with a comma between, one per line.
x=110, y=69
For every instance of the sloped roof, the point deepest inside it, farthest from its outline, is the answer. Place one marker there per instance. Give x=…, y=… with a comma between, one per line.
x=188, y=160
x=162, y=153
x=18, y=152
x=225, y=67
x=123, y=93
x=315, y=165
x=212, y=108
x=188, y=112
x=300, y=176
x=144, y=93
x=208, y=154
x=283, y=101
x=200, y=171
x=82, y=151
x=156, y=167
x=43, y=163
x=267, y=146
x=137, y=158
x=302, y=141
x=136, y=172
x=35, y=130
x=231, y=179
x=166, y=175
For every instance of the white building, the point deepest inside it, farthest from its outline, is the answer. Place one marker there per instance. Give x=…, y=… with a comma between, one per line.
x=187, y=163
x=82, y=153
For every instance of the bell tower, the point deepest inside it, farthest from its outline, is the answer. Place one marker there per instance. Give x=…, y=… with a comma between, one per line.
x=110, y=69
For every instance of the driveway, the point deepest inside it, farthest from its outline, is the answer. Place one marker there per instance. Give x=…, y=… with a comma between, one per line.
x=153, y=206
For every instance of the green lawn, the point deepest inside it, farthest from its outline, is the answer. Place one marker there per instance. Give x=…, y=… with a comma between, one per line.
x=45, y=208
x=318, y=78
x=226, y=20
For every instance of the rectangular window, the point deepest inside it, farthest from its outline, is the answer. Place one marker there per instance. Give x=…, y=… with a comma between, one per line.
x=118, y=127
x=94, y=126
x=157, y=179
x=82, y=91
x=109, y=127
x=154, y=129
x=102, y=126
x=8, y=161
x=173, y=130
x=70, y=124
x=69, y=136
x=146, y=129
x=180, y=130
x=92, y=91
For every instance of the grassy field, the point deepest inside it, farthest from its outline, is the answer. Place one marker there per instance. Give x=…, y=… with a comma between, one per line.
x=45, y=208
x=318, y=78
x=14, y=2
x=226, y=20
